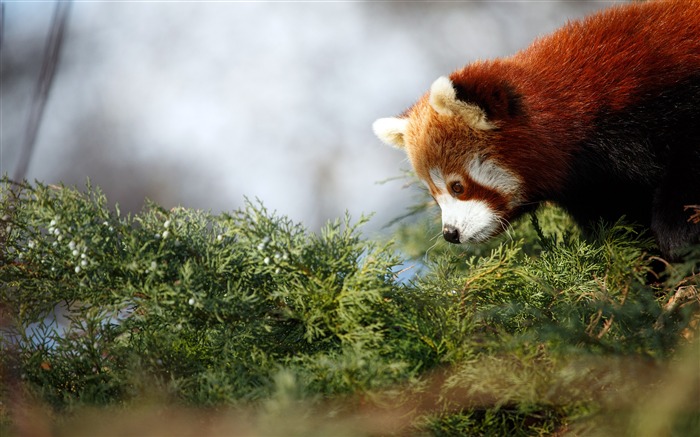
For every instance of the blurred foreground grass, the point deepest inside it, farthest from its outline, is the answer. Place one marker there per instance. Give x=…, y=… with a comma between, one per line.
x=179, y=322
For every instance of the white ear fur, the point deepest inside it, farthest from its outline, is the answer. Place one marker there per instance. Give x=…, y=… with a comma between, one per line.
x=443, y=96
x=391, y=130
x=443, y=99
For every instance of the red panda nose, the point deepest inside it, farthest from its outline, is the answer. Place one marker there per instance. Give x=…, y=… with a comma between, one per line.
x=451, y=234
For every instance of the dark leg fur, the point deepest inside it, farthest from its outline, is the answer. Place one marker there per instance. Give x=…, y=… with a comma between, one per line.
x=647, y=159
x=680, y=187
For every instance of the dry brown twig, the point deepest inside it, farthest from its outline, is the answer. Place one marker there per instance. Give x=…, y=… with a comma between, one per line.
x=695, y=217
x=683, y=295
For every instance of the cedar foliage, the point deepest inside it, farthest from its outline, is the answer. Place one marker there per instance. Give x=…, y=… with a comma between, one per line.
x=281, y=331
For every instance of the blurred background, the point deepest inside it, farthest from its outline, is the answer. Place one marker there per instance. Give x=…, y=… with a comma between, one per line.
x=202, y=104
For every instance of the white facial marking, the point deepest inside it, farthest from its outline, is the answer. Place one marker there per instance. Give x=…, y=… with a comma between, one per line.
x=474, y=219
x=438, y=179
x=491, y=175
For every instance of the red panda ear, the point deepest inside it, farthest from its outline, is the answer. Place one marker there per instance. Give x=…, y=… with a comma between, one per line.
x=391, y=131
x=444, y=100
x=498, y=99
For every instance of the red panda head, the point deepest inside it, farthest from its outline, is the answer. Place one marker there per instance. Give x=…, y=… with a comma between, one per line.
x=451, y=140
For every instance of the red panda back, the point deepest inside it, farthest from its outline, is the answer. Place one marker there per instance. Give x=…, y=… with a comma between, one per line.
x=602, y=116
x=617, y=55
x=563, y=82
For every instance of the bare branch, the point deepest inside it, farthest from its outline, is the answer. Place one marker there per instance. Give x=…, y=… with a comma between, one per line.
x=41, y=93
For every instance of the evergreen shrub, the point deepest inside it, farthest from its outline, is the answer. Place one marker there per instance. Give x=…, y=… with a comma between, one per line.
x=283, y=331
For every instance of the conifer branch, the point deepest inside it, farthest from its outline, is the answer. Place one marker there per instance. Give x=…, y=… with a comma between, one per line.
x=249, y=310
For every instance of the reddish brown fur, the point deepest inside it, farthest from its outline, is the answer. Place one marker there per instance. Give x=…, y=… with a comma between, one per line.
x=602, y=116
x=496, y=200
x=566, y=77
x=427, y=136
x=562, y=80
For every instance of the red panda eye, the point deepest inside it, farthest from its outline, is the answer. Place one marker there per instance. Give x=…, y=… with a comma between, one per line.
x=457, y=188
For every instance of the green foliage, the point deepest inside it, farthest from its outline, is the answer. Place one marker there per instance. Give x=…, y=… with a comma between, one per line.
x=208, y=306
x=540, y=332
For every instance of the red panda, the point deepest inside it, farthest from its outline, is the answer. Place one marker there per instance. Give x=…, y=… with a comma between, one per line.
x=601, y=117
